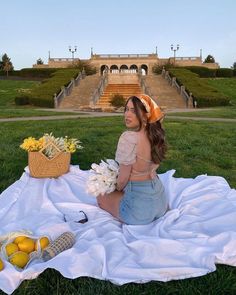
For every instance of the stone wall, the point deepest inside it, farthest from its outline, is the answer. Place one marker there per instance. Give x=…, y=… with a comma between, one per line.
x=123, y=78
x=140, y=61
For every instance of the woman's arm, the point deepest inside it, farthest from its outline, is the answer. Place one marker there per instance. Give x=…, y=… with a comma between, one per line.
x=123, y=176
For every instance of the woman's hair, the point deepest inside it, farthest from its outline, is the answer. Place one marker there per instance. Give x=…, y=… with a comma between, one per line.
x=155, y=132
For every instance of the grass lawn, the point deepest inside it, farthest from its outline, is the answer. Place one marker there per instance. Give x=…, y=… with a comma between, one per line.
x=16, y=113
x=9, y=89
x=194, y=148
x=228, y=112
x=226, y=86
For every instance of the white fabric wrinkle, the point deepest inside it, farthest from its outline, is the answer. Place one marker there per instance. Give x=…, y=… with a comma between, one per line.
x=196, y=233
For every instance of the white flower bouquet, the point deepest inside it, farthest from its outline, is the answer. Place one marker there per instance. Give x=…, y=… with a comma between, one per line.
x=103, y=177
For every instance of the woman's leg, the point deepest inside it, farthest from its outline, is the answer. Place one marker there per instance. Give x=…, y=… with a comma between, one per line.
x=110, y=202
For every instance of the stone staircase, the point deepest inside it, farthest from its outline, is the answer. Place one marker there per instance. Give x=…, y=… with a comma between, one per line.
x=163, y=93
x=126, y=90
x=81, y=94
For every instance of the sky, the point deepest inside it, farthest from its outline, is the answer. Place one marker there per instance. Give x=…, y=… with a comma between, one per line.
x=29, y=29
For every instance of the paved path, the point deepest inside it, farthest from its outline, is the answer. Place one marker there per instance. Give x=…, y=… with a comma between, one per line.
x=102, y=114
x=202, y=119
x=60, y=117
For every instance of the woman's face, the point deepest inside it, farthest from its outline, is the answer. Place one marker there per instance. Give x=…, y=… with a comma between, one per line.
x=131, y=120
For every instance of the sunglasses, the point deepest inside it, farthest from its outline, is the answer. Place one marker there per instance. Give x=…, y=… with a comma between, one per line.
x=78, y=217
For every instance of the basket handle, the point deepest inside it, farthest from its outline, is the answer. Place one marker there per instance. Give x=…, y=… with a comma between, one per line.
x=50, y=143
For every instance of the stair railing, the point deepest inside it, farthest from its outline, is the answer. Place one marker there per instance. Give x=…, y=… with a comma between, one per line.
x=65, y=91
x=99, y=90
x=188, y=98
x=143, y=85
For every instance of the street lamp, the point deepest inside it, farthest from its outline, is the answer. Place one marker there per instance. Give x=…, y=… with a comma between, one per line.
x=73, y=51
x=174, y=49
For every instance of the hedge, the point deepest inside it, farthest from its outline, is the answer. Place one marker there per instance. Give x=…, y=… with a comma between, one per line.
x=37, y=73
x=202, y=71
x=204, y=94
x=224, y=72
x=10, y=73
x=43, y=95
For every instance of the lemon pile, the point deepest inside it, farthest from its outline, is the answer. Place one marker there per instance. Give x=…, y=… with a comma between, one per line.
x=18, y=251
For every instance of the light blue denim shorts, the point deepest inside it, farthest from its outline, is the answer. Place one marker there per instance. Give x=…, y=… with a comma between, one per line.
x=143, y=202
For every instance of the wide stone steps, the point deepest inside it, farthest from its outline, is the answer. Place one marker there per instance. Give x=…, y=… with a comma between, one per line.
x=163, y=93
x=81, y=95
x=126, y=90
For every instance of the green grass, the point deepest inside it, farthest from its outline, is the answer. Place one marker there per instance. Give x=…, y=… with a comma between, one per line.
x=222, y=112
x=17, y=113
x=11, y=88
x=226, y=86
x=194, y=148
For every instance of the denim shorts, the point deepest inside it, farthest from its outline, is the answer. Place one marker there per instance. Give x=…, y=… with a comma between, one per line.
x=143, y=202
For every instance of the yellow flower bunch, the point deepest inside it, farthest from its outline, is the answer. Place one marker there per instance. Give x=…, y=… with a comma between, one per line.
x=64, y=144
x=71, y=144
x=31, y=144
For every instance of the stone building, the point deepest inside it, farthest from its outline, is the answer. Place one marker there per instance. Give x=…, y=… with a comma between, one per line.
x=127, y=63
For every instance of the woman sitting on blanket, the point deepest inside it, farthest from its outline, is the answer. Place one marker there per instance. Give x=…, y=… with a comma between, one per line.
x=140, y=197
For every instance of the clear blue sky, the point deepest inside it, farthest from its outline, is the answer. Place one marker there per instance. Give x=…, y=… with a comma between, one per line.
x=31, y=28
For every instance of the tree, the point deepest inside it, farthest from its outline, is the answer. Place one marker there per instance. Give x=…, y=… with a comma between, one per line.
x=234, y=66
x=83, y=65
x=39, y=61
x=6, y=64
x=209, y=59
x=7, y=67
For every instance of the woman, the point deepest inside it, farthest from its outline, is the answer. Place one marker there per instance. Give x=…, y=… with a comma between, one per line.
x=140, y=197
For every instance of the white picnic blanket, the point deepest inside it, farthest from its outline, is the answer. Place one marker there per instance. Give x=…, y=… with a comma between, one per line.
x=198, y=232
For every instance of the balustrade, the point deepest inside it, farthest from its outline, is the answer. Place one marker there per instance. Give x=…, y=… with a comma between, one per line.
x=181, y=89
x=65, y=91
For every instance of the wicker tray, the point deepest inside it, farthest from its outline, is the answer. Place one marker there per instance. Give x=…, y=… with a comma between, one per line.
x=40, y=166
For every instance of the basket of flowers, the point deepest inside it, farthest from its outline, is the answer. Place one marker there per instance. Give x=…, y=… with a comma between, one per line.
x=49, y=156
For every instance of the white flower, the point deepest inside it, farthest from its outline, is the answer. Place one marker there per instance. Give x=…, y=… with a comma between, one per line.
x=103, y=177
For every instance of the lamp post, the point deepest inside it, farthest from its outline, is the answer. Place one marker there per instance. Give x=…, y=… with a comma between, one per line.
x=174, y=49
x=73, y=51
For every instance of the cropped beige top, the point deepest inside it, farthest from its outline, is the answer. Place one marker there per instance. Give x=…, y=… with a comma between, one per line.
x=134, y=149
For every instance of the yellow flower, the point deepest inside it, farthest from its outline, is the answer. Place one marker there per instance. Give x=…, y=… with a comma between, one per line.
x=65, y=144
x=30, y=144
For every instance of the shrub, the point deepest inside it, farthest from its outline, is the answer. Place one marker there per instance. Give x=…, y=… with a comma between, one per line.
x=157, y=69
x=84, y=65
x=224, y=72
x=203, y=72
x=21, y=100
x=117, y=100
x=10, y=73
x=37, y=73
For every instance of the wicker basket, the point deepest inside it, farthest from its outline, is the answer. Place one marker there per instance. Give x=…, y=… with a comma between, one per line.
x=40, y=166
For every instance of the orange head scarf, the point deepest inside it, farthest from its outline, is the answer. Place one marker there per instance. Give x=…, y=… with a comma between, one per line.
x=154, y=112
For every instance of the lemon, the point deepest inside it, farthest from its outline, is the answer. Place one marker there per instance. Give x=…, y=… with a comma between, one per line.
x=11, y=248
x=44, y=242
x=19, y=259
x=1, y=264
x=19, y=239
x=27, y=245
